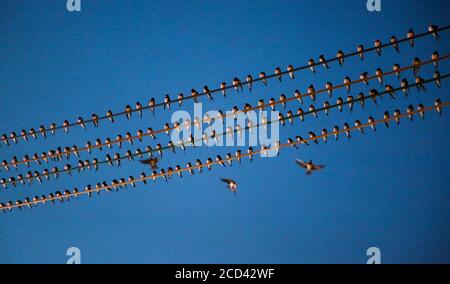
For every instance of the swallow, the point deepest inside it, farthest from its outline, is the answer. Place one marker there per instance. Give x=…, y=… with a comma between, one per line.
x=109, y=160
x=435, y=58
x=181, y=145
x=416, y=66
x=290, y=118
x=371, y=122
x=143, y=177
x=302, y=141
x=360, y=51
x=3, y=183
x=390, y=90
x=42, y=130
x=336, y=132
x=433, y=29
x=421, y=110
x=410, y=37
x=262, y=77
x=199, y=165
x=437, y=78
x=117, y=158
x=347, y=130
x=24, y=135
x=350, y=103
x=150, y=133
x=166, y=128
x=250, y=153
x=129, y=155
x=36, y=159
x=88, y=146
x=377, y=45
x=87, y=164
x=278, y=73
x=108, y=142
x=309, y=166
x=272, y=103
x=329, y=88
x=300, y=114
x=66, y=125
x=190, y=168
x=55, y=172
x=110, y=116
x=283, y=100
x=347, y=83
x=340, y=103
x=249, y=80
x=405, y=87
x=397, y=116
x=98, y=144
x=220, y=161
x=128, y=111
x=420, y=84
x=379, y=74
x=26, y=160
x=119, y=140
x=312, y=109
x=438, y=105
x=291, y=142
x=223, y=87
x=340, y=57
x=181, y=98
x=363, y=77
x=290, y=69
x=358, y=125
x=311, y=92
x=410, y=112
x=326, y=106
x=67, y=169
x=323, y=61
x=298, y=95
x=158, y=148
x=386, y=119
x=373, y=93
x=167, y=102
x=231, y=185
x=206, y=91
x=149, y=151
x=163, y=174
x=281, y=119
x=396, y=69
x=75, y=192
x=179, y=171
x=139, y=108
x=237, y=84
x=325, y=135
x=152, y=104
x=394, y=43
x=311, y=65
x=312, y=137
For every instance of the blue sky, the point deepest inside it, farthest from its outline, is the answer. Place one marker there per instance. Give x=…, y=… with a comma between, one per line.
x=387, y=189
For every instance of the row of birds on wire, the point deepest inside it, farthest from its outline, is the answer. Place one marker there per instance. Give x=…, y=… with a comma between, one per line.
x=60, y=152
x=237, y=84
x=308, y=166
x=152, y=160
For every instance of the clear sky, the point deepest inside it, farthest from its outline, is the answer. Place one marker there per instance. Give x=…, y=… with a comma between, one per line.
x=387, y=189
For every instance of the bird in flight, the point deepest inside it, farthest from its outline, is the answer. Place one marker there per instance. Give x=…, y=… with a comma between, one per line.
x=153, y=162
x=309, y=166
x=231, y=184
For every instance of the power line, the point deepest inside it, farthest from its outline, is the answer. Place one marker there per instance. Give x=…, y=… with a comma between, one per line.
x=373, y=94
x=58, y=154
x=88, y=190
x=152, y=105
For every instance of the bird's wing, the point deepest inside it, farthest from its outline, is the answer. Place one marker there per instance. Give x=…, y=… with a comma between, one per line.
x=146, y=161
x=228, y=181
x=300, y=163
x=318, y=167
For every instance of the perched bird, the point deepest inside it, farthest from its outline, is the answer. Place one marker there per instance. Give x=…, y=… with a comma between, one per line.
x=205, y=90
x=311, y=65
x=41, y=130
x=347, y=130
x=340, y=103
x=300, y=114
x=394, y=43
x=65, y=125
x=358, y=125
x=379, y=74
x=109, y=115
x=325, y=135
x=410, y=36
x=373, y=93
x=278, y=73
x=220, y=161
x=386, y=118
x=190, y=168
x=377, y=45
x=350, y=102
x=323, y=61
x=326, y=106
x=390, y=90
x=363, y=77
x=151, y=105
x=437, y=78
x=128, y=111
x=231, y=184
x=347, y=83
x=336, y=132
x=396, y=69
x=24, y=135
x=438, y=104
x=312, y=137
x=249, y=80
x=421, y=110
x=262, y=77
x=309, y=166
x=312, y=110
x=94, y=119
x=371, y=122
x=435, y=58
x=180, y=99
x=329, y=87
x=433, y=30
x=416, y=66
x=290, y=69
x=410, y=112
x=139, y=108
x=405, y=87
x=311, y=92
x=301, y=140
x=340, y=57
x=167, y=102
x=397, y=116
x=360, y=50
x=420, y=84
x=237, y=84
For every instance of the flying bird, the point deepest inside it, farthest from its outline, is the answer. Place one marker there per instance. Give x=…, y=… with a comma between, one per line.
x=309, y=166
x=153, y=162
x=231, y=185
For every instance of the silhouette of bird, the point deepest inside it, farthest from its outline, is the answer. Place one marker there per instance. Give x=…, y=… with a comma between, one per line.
x=309, y=166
